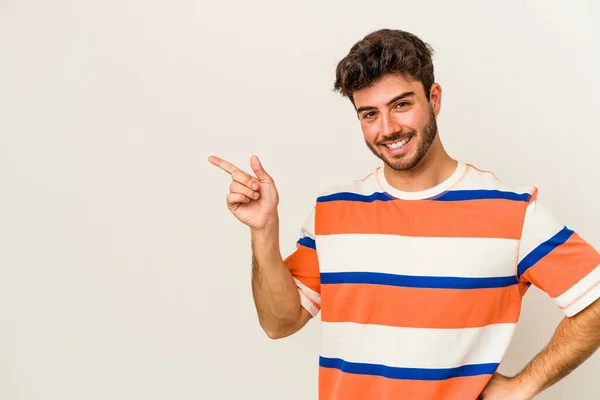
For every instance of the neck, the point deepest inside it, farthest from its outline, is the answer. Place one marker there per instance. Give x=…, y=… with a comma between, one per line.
x=433, y=169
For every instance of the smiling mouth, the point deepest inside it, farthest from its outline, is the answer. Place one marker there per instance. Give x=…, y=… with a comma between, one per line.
x=397, y=144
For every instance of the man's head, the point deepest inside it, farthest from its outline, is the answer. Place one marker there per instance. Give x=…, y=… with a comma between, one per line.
x=388, y=77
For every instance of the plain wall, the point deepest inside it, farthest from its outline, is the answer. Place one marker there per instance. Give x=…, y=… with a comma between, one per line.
x=122, y=273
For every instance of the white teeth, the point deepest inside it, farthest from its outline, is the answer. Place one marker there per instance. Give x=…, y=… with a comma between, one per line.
x=395, y=145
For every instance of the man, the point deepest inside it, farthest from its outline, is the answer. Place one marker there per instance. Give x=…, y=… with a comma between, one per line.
x=418, y=269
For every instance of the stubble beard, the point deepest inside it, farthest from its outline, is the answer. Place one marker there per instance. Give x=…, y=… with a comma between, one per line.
x=427, y=137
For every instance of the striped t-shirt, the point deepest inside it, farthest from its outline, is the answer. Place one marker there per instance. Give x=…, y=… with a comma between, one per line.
x=420, y=292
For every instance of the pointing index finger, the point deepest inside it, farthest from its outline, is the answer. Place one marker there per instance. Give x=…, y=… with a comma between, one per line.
x=224, y=165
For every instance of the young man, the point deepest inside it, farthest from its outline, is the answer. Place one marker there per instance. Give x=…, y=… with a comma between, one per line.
x=418, y=269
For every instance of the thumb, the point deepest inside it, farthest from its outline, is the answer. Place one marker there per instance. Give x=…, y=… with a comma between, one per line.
x=258, y=169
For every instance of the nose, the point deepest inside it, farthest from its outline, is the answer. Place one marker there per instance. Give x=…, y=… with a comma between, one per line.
x=388, y=125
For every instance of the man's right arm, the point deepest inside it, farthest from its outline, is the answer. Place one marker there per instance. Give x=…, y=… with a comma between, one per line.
x=253, y=201
x=276, y=296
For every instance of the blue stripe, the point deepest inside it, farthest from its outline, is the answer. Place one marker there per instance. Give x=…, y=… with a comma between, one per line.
x=307, y=242
x=347, y=196
x=453, y=195
x=423, y=374
x=432, y=282
x=458, y=195
x=544, y=249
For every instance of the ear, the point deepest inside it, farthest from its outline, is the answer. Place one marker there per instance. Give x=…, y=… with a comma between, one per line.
x=435, y=98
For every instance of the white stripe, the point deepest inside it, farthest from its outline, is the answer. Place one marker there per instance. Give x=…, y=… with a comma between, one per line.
x=306, y=303
x=486, y=180
x=361, y=187
x=308, y=226
x=539, y=226
x=424, y=256
x=415, y=347
x=583, y=302
x=580, y=295
x=580, y=287
x=314, y=295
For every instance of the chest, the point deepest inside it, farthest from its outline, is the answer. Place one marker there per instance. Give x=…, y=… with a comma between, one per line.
x=418, y=264
x=425, y=256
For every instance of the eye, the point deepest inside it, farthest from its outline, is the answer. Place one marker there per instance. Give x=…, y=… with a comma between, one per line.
x=369, y=114
x=402, y=104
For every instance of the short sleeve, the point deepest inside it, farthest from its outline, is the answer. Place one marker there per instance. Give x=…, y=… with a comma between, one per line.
x=557, y=260
x=304, y=266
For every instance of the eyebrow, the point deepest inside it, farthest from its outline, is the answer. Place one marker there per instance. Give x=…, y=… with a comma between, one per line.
x=395, y=99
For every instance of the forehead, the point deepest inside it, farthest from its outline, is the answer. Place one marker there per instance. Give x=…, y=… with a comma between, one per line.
x=385, y=89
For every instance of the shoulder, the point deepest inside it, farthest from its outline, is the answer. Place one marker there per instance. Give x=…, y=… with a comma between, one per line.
x=480, y=179
x=365, y=185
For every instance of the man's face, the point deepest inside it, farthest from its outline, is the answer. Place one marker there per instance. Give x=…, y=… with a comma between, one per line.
x=397, y=120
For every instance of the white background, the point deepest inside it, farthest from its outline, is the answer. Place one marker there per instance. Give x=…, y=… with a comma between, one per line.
x=122, y=273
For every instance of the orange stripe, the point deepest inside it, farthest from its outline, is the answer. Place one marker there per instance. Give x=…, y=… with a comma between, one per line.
x=533, y=194
x=420, y=307
x=488, y=218
x=304, y=266
x=335, y=385
x=564, y=266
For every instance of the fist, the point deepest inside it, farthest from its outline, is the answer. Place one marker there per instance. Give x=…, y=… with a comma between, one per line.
x=501, y=387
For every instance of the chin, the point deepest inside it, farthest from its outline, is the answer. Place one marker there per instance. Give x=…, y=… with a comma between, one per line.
x=404, y=163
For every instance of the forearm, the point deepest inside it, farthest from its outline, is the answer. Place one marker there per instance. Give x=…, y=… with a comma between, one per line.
x=574, y=340
x=275, y=293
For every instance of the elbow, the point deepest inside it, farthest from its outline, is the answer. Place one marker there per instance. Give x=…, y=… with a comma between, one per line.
x=277, y=330
x=282, y=326
x=274, y=333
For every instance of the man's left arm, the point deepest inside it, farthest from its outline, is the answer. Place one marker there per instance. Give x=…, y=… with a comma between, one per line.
x=561, y=263
x=575, y=339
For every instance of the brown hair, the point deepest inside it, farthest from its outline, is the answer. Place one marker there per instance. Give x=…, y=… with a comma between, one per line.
x=383, y=52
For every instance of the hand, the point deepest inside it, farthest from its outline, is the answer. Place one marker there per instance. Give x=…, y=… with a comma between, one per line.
x=252, y=200
x=501, y=387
